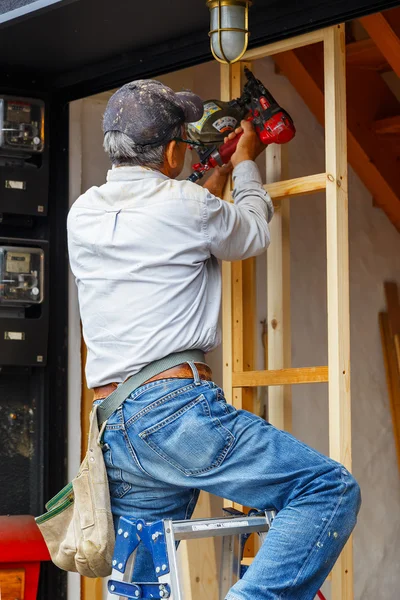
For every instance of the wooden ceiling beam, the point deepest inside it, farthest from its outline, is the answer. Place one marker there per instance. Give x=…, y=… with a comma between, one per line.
x=374, y=160
x=390, y=125
x=364, y=54
x=385, y=38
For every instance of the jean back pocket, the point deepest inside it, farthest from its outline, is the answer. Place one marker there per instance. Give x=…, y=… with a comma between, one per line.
x=191, y=439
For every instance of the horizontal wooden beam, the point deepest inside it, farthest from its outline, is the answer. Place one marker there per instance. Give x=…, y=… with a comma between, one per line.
x=387, y=126
x=311, y=184
x=386, y=39
x=283, y=45
x=280, y=377
x=365, y=55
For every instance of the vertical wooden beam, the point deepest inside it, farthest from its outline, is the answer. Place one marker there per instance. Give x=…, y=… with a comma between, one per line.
x=338, y=277
x=227, y=318
x=243, y=291
x=278, y=290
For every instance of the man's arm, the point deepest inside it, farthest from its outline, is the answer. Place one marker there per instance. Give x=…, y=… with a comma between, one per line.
x=240, y=230
x=216, y=182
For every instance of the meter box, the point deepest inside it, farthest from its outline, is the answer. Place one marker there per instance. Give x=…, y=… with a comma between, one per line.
x=23, y=302
x=21, y=275
x=21, y=125
x=23, y=156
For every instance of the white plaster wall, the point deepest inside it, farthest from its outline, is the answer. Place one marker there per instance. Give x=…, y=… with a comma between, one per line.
x=374, y=258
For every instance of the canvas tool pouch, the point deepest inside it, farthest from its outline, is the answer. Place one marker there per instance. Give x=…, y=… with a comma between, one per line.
x=78, y=526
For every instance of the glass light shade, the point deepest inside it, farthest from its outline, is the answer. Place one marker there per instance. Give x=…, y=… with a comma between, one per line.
x=228, y=34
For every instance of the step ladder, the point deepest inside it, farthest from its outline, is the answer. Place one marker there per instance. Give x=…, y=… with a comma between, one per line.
x=160, y=539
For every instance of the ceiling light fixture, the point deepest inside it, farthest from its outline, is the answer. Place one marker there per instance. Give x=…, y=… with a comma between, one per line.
x=229, y=32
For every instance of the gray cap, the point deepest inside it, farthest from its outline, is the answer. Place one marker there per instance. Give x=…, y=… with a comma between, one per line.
x=147, y=111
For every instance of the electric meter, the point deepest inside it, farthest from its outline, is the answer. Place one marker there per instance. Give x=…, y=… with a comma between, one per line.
x=21, y=125
x=21, y=275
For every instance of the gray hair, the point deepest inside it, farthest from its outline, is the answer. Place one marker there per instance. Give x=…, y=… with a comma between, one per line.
x=123, y=151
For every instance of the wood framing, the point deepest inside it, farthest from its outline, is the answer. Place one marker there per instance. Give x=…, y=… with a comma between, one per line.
x=385, y=38
x=269, y=377
x=338, y=277
x=373, y=156
x=331, y=108
x=311, y=184
x=278, y=290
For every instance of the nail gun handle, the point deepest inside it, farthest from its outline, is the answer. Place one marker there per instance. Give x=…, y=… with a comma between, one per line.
x=227, y=149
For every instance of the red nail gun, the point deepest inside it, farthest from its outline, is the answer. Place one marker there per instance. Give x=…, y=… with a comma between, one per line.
x=271, y=122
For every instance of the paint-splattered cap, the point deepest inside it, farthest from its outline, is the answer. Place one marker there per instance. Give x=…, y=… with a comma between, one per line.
x=148, y=111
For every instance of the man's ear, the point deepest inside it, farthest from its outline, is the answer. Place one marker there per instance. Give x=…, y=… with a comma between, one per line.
x=171, y=154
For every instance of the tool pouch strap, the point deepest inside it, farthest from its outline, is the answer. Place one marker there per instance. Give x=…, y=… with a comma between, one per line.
x=114, y=400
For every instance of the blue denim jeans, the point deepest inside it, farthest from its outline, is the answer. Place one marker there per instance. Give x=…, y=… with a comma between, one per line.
x=174, y=437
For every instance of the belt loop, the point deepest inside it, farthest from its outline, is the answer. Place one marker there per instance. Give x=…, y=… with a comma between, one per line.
x=196, y=377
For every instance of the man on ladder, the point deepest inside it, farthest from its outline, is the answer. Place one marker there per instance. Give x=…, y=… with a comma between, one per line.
x=144, y=249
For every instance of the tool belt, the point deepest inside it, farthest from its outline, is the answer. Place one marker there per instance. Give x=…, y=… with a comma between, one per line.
x=182, y=371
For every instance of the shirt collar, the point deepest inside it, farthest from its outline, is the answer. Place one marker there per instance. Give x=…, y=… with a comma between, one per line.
x=133, y=174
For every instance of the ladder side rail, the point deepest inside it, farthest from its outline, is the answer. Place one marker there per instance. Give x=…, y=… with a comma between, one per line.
x=172, y=577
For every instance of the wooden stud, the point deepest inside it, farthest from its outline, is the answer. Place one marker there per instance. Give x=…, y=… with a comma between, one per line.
x=249, y=395
x=294, y=375
x=338, y=277
x=227, y=318
x=300, y=186
x=243, y=291
x=243, y=304
x=278, y=291
x=385, y=38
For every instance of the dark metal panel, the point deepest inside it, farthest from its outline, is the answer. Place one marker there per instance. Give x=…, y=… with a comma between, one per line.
x=42, y=390
x=55, y=385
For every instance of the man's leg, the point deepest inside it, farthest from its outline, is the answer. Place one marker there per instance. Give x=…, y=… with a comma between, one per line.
x=183, y=435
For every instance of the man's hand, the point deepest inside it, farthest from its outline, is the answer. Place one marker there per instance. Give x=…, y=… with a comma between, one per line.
x=217, y=180
x=249, y=145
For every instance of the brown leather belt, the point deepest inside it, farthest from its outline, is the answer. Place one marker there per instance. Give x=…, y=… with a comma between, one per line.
x=182, y=371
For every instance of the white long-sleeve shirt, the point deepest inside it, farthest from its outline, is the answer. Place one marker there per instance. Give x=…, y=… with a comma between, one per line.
x=144, y=250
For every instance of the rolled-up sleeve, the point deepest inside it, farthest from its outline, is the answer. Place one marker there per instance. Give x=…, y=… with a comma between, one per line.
x=239, y=230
